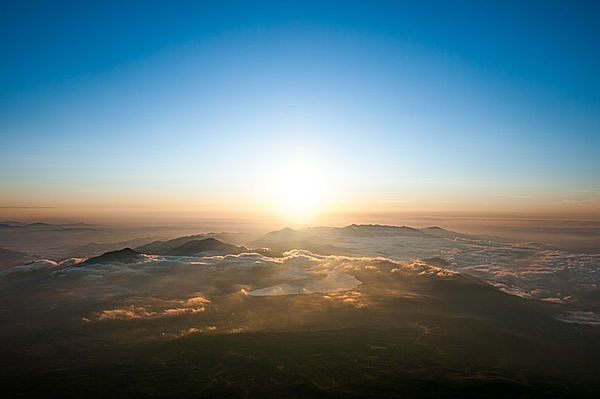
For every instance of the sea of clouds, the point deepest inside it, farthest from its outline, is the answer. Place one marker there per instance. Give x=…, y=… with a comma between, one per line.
x=528, y=270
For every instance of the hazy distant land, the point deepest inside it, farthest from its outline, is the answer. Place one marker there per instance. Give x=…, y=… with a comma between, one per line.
x=354, y=311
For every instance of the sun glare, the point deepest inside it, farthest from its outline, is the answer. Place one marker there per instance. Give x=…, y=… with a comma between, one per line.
x=298, y=190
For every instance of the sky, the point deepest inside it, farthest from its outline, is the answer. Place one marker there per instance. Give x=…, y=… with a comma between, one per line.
x=298, y=110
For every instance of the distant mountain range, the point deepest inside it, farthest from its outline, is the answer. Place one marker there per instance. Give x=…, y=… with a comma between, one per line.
x=287, y=239
x=45, y=226
x=97, y=248
x=318, y=240
x=378, y=230
x=194, y=245
x=276, y=243
x=321, y=240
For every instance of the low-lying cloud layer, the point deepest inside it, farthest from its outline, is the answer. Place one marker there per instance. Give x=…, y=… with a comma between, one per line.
x=156, y=309
x=528, y=270
x=581, y=317
x=549, y=275
x=213, y=293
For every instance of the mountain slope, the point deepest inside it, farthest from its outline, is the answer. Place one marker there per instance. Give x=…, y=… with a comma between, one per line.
x=125, y=255
x=287, y=239
x=213, y=245
x=10, y=258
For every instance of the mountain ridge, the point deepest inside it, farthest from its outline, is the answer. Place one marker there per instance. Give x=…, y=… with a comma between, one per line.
x=125, y=255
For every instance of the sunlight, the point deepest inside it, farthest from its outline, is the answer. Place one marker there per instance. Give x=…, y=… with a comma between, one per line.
x=298, y=190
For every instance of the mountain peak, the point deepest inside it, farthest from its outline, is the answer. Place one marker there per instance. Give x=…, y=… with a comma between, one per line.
x=125, y=255
x=434, y=228
x=209, y=244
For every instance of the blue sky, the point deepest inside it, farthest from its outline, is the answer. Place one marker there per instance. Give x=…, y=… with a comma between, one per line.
x=440, y=105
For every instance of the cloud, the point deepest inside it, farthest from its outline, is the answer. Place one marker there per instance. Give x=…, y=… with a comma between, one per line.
x=421, y=268
x=176, y=295
x=522, y=269
x=307, y=273
x=315, y=283
x=71, y=261
x=349, y=298
x=33, y=266
x=580, y=317
x=131, y=312
x=529, y=272
x=157, y=308
x=177, y=287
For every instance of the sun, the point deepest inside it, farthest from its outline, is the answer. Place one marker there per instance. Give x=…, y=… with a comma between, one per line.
x=298, y=190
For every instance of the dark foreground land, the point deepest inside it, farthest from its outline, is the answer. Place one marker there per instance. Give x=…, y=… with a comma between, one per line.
x=143, y=331
x=469, y=360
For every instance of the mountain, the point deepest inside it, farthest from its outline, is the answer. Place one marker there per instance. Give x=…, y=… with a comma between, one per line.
x=10, y=258
x=379, y=230
x=212, y=245
x=287, y=239
x=376, y=230
x=96, y=248
x=286, y=234
x=194, y=245
x=407, y=329
x=12, y=223
x=381, y=327
x=41, y=226
x=436, y=231
x=125, y=255
x=162, y=247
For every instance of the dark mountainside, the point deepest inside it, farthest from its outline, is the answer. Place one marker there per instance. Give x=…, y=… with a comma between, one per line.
x=163, y=246
x=125, y=255
x=10, y=258
x=98, y=248
x=195, y=247
x=409, y=333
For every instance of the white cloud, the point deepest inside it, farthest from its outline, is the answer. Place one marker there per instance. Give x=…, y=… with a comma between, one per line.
x=314, y=283
x=581, y=317
x=157, y=308
x=529, y=271
x=33, y=266
x=524, y=269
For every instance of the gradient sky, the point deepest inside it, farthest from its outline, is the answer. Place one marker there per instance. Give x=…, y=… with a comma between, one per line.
x=202, y=107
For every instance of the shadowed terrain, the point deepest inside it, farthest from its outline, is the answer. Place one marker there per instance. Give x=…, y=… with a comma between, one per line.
x=298, y=325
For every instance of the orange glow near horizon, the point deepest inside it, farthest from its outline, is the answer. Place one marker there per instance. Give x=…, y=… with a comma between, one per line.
x=277, y=212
